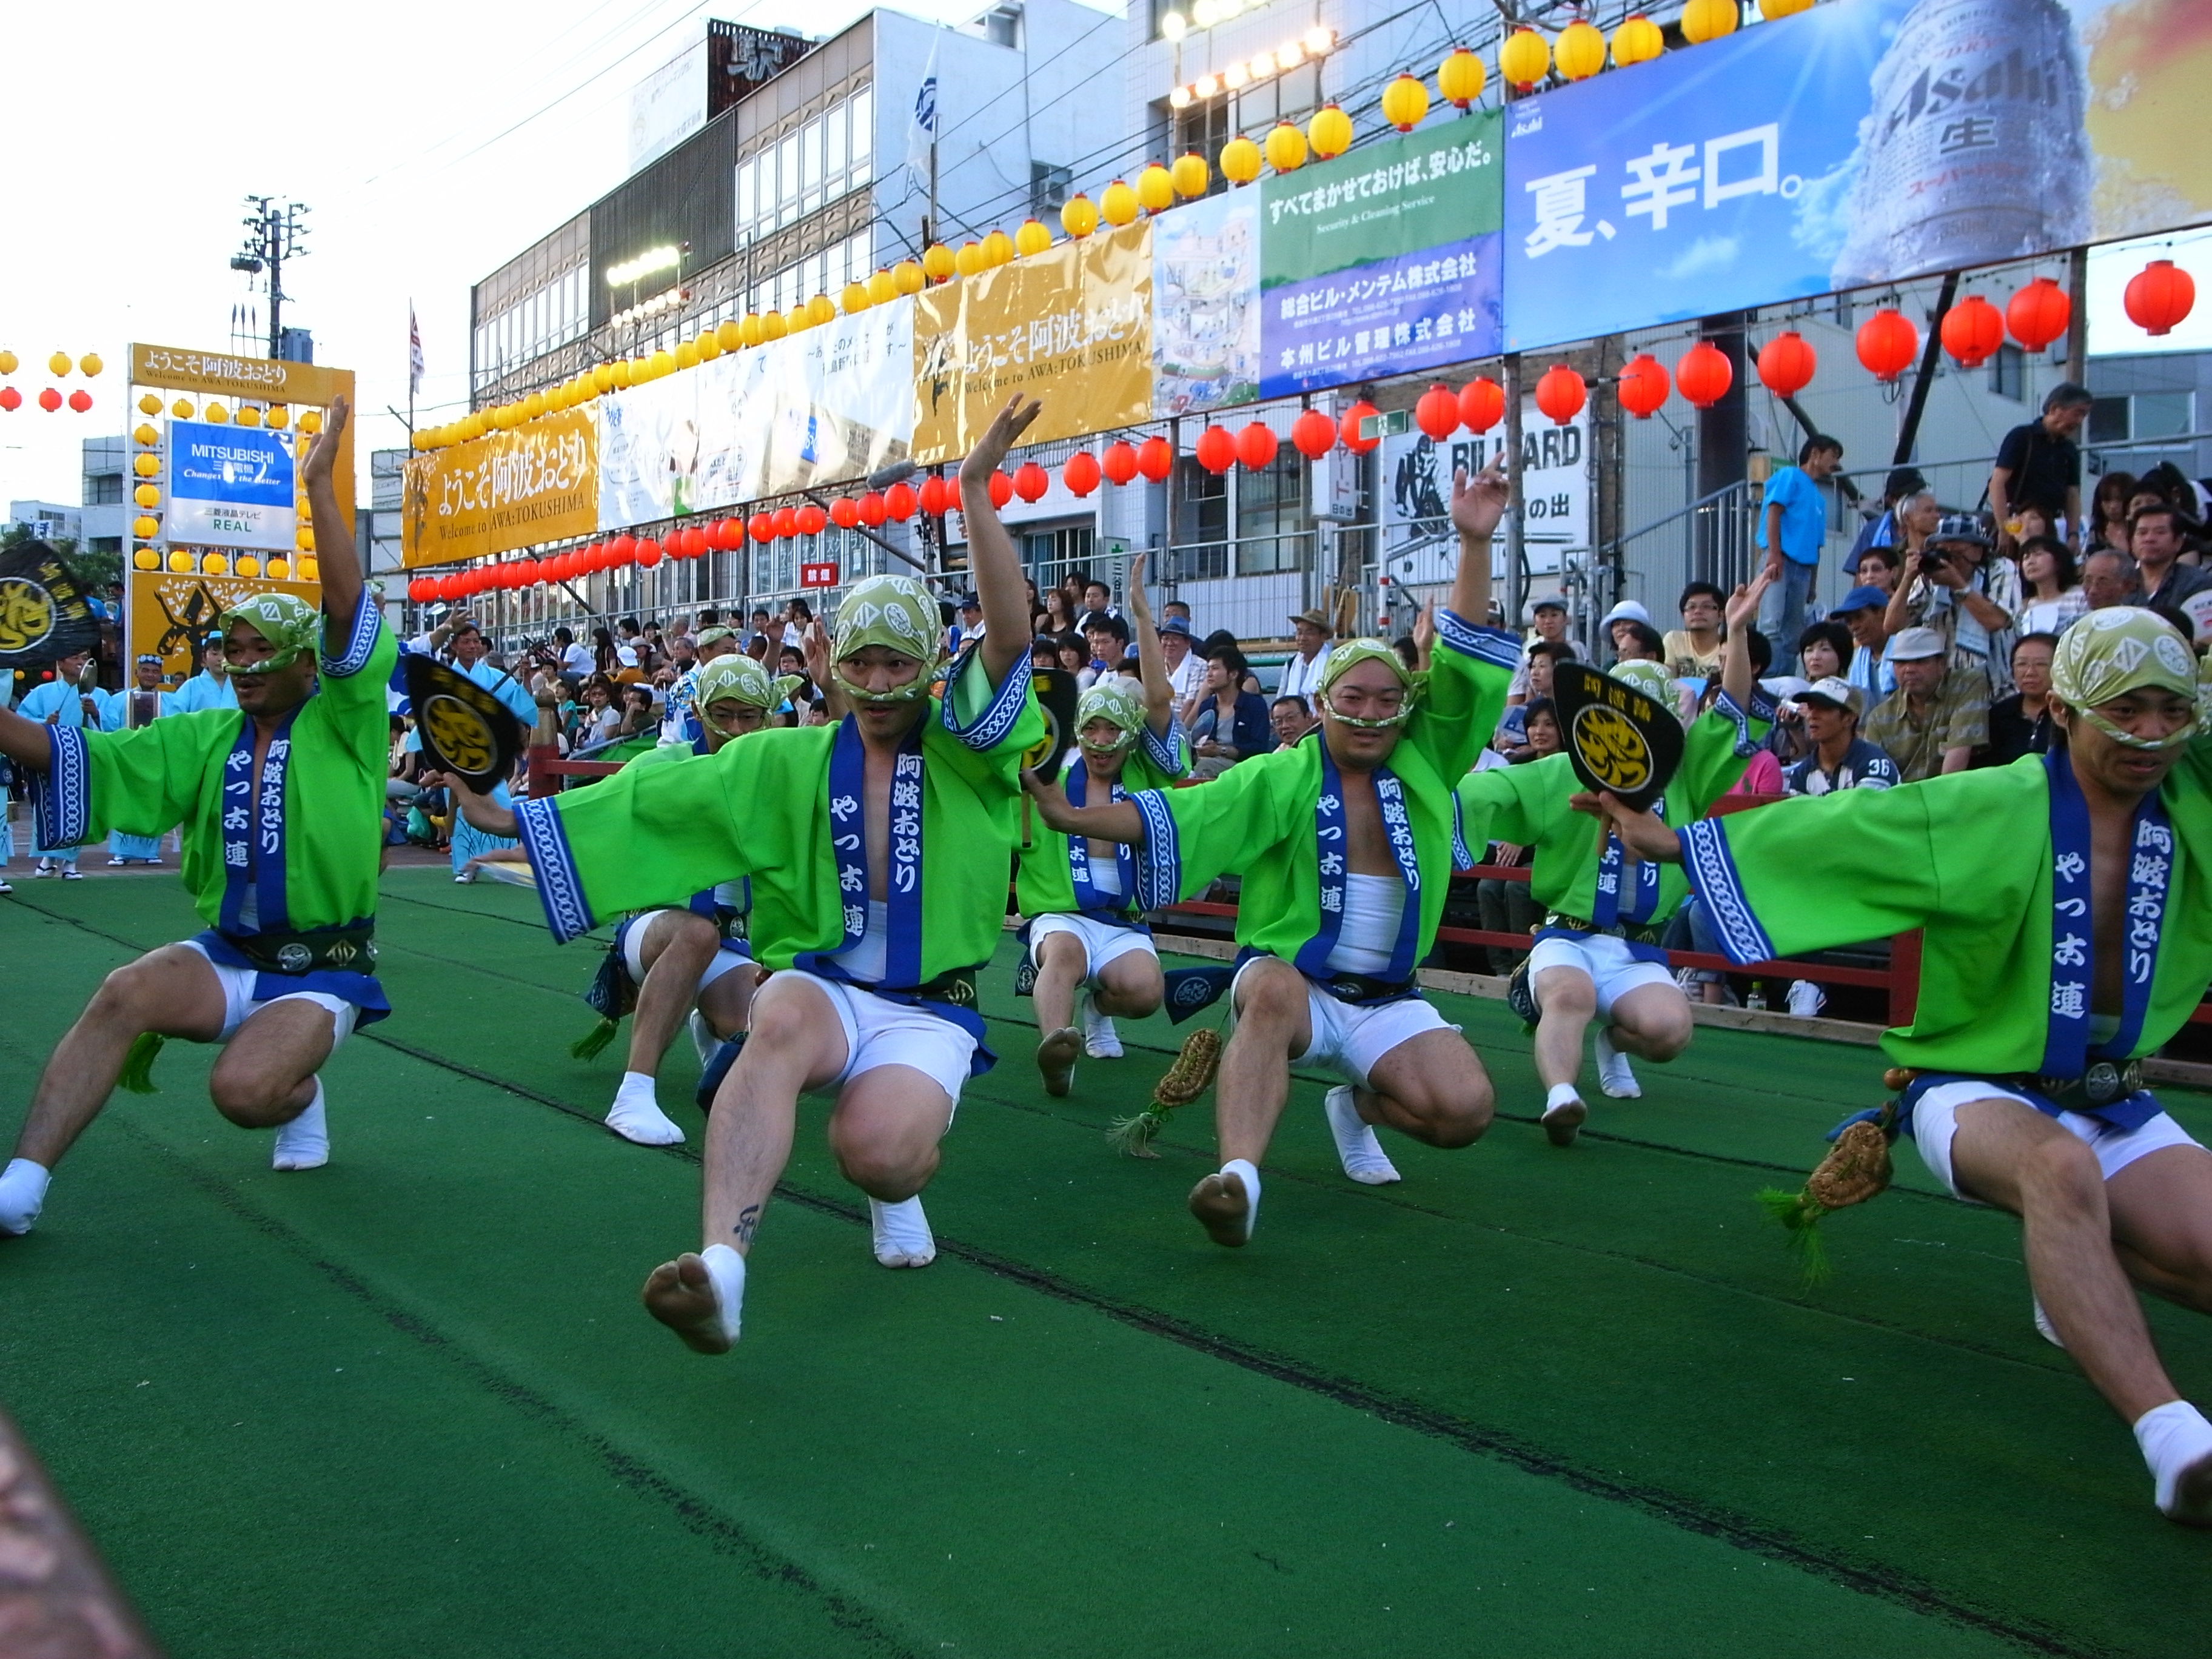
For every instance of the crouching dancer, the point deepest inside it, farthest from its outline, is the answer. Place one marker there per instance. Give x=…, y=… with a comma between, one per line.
x=280, y=800
x=878, y=849
x=1344, y=842
x=2068, y=931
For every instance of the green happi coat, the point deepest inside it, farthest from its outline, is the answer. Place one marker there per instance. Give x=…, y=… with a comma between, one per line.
x=1527, y=805
x=655, y=834
x=172, y=774
x=1968, y=858
x=1257, y=819
x=1042, y=882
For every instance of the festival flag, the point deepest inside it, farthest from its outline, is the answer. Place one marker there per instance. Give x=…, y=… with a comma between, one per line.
x=414, y=352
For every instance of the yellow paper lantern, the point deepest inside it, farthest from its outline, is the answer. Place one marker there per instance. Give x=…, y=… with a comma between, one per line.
x=664, y=362
x=1031, y=238
x=532, y=407
x=279, y=416
x=148, y=405
x=854, y=299
x=179, y=560
x=215, y=414
x=1329, y=132
x=1580, y=50
x=603, y=376
x=1156, y=189
x=557, y=399
x=305, y=538
x=908, y=277
x=938, y=262
x=821, y=308
x=1404, y=102
x=1708, y=20
x=214, y=564
x=248, y=565
x=998, y=249
x=145, y=527
x=89, y=364
x=730, y=334
x=687, y=355
x=708, y=345
x=309, y=571
x=772, y=326
x=1638, y=40
x=147, y=496
x=8, y=362
x=1770, y=9
x=145, y=433
x=1077, y=217
x=311, y=421
x=970, y=260
x=1189, y=174
x=621, y=370
x=279, y=568
x=882, y=287
x=146, y=559
x=1286, y=147
x=1461, y=77
x=751, y=329
x=145, y=465
x=1117, y=204
x=248, y=415
x=1524, y=59
x=182, y=409
x=798, y=319
x=1240, y=160
x=59, y=364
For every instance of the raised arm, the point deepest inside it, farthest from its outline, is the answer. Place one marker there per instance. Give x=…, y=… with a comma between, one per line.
x=993, y=563
x=1151, y=661
x=339, y=564
x=1477, y=505
x=1742, y=613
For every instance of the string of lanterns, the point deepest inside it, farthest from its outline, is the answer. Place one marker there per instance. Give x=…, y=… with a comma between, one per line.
x=50, y=399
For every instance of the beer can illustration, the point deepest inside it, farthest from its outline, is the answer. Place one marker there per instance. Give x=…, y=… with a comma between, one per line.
x=1973, y=151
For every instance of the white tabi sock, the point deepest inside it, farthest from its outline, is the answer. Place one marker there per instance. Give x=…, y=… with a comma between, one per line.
x=1564, y=1112
x=304, y=1142
x=2177, y=1443
x=1357, y=1148
x=903, y=1236
x=636, y=1114
x=1100, y=1039
x=725, y=1272
x=22, y=1195
x=1613, y=1074
x=1244, y=1170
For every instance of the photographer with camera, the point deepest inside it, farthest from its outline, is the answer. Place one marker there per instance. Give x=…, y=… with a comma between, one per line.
x=1966, y=598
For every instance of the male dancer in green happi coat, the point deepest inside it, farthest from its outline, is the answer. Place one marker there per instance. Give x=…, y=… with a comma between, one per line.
x=281, y=800
x=1345, y=842
x=878, y=850
x=2066, y=907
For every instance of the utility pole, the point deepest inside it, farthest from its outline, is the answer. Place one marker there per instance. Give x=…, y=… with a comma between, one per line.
x=274, y=232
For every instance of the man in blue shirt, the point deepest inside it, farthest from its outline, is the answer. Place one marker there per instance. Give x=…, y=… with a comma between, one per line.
x=1793, y=522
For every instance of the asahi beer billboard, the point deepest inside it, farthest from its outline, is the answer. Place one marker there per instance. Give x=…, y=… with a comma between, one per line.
x=230, y=486
x=1852, y=145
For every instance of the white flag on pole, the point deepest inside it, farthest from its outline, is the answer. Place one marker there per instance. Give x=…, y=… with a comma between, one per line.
x=921, y=128
x=414, y=352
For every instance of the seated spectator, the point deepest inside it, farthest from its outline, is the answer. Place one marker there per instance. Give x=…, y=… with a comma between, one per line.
x=1186, y=669
x=1544, y=657
x=1075, y=658
x=570, y=657
x=1292, y=718
x=1963, y=596
x=1506, y=906
x=1614, y=626
x=1937, y=716
x=1231, y=722
x=2108, y=578
x=1044, y=654
x=1221, y=640
x=2108, y=511
x=2155, y=538
x=1309, y=636
x=2053, y=596
x=1180, y=610
x=1692, y=651
x=2021, y=724
x=1836, y=756
x=1408, y=650
x=969, y=628
x=1636, y=641
x=638, y=718
x=599, y=718
x=1825, y=650
x=1547, y=622
x=1107, y=637
x=1864, y=615
x=1098, y=599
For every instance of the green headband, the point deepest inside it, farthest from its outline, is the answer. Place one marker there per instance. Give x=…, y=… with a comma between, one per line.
x=290, y=625
x=1651, y=678
x=2109, y=652
x=895, y=612
x=743, y=679
x=1115, y=701
x=1347, y=655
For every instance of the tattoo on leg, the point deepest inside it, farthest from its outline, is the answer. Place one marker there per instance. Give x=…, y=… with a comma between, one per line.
x=748, y=1220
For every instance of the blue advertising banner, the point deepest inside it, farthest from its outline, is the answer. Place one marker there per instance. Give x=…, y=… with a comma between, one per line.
x=1849, y=146
x=230, y=486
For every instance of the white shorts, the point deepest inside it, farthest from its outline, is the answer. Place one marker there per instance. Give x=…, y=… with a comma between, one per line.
x=1604, y=959
x=1350, y=1042
x=881, y=1032
x=1935, y=1120
x=1102, y=941
x=239, y=1004
x=634, y=949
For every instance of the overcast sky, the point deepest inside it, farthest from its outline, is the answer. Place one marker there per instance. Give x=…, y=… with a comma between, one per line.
x=432, y=141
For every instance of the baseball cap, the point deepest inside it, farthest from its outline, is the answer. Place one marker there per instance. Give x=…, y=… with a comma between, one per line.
x=1838, y=694
x=1861, y=598
x=1960, y=528
x=1176, y=625
x=1545, y=602
x=1627, y=611
x=1916, y=645
x=971, y=600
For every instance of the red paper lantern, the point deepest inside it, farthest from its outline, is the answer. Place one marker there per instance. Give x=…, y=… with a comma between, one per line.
x=1216, y=449
x=624, y=547
x=935, y=496
x=420, y=589
x=872, y=509
x=1642, y=385
x=595, y=558
x=786, y=522
x=1081, y=472
x=80, y=400
x=50, y=400
x=1888, y=343
x=449, y=588
x=726, y=535
x=1348, y=428
x=1256, y=444
x=1119, y=463
x=549, y=571
x=535, y=573
x=811, y=519
x=762, y=527
x=689, y=543
x=10, y=399
x=1155, y=460
x=1313, y=434
x=2038, y=313
x=1001, y=488
x=900, y=501
x=1031, y=480
x=1560, y=393
x=844, y=513
x=1972, y=330
x=648, y=553
x=1481, y=404
x=1437, y=412
x=1786, y=363
x=2158, y=296
x=1704, y=375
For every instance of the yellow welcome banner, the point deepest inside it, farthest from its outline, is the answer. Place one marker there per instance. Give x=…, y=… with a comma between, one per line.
x=1072, y=326
x=539, y=482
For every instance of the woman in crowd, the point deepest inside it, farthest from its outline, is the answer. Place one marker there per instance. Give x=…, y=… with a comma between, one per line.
x=1825, y=649
x=598, y=720
x=1075, y=658
x=606, y=659
x=792, y=659
x=2021, y=724
x=2053, y=596
x=1231, y=722
x=1880, y=566
x=1637, y=641
x=1058, y=615
x=2108, y=511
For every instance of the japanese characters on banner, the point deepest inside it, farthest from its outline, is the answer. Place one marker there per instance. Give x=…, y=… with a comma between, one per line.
x=1555, y=492
x=1852, y=145
x=169, y=613
x=1205, y=304
x=1385, y=261
x=230, y=486
x=1073, y=324
x=508, y=489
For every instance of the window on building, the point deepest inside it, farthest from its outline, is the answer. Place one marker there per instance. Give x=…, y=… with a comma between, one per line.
x=2141, y=415
x=1003, y=27
x=103, y=488
x=2008, y=372
x=2108, y=421
x=104, y=545
x=807, y=169
x=1271, y=507
x=1048, y=188
x=1204, y=555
